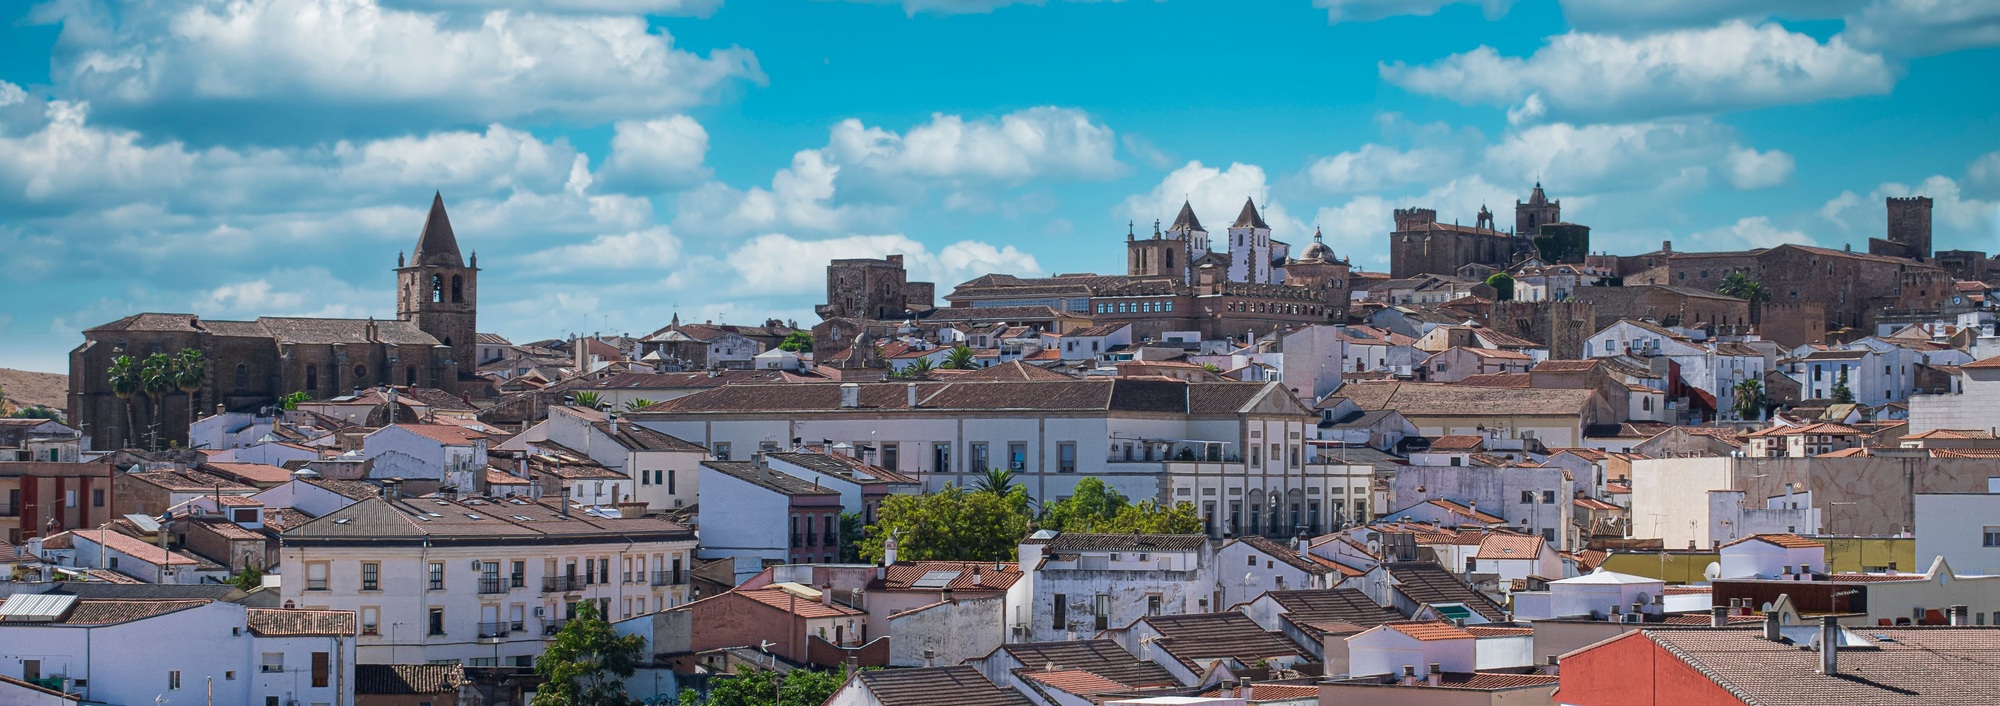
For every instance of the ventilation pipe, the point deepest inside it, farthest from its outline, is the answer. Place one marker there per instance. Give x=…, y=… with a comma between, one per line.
x=1771, y=631
x=1409, y=675
x=1718, y=616
x=850, y=395
x=910, y=392
x=1829, y=645
x=1436, y=674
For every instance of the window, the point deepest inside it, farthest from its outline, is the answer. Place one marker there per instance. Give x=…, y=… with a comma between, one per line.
x=242, y=377
x=319, y=669
x=1103, y=611
x=1548, y=497
x=1061, y=613
x=1066, y=457
x=1017, y=455
x=316, y=576
x=1992, y=537
x=437, y=575
x=96, y=494
x=670, y=480
x=977, y=451
x=371, y=576
x=722, y=451
x=437, y=621
x=312, y=377
x=410, y=375
x=174, y=679
x=518, y=577
x=371, y=620
x=274, y=662
x=892, y=456
x=457, y=288
x=1527, y=497
x=941, y=457
x=360, y=373
x=1152, y=604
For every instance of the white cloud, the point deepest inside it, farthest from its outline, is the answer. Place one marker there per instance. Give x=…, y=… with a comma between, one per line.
x=1375, y=167
x=652, y=248
x=284, y=67
x=958, y=7
x=653, y=155
x=1338, y=11
x=776, y=264
x=800, y=197
x=1653, y=15
x=1750, y=169
x=1985, y=171
x=306, y=291
x=1752, y=232
x=1359, y=229
x=1835, y=209
x=678, y=8
x=1217, y=196
x=1730, y=67
x=1038, y=142
x=1145, y=151
x=1609, y=156
x=1924, y=27
x=1958, y=220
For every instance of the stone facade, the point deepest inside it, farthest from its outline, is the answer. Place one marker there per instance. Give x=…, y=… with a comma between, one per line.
x=1909, y=232
x=1561, y=325
x=1666, y=305
x=872, y=289
x=1854, y=287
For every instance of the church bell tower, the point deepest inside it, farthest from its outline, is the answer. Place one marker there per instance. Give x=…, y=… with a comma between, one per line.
x=439, y=292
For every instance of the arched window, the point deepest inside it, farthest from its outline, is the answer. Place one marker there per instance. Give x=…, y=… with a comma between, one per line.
x=312, y=377
x=437, y=288
x=457, y=289
x=242, y=377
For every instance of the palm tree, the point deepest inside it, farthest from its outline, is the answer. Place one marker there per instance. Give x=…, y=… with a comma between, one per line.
x=1749, y=399
x=917, y=369
x=638, y=404
x=190, y=371
x=156, y=379
x=998, y=481
x=961, y=357
x=586, y=399
x=124, y=378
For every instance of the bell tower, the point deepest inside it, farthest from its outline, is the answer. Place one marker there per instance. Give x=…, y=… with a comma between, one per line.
x=439, y=292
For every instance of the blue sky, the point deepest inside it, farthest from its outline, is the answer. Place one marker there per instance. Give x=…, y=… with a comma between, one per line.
x=616, y=161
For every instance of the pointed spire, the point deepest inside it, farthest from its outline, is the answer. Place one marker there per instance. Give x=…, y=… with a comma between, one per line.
x=1249, y=218
x=1536, y=196
x=1128, y=230
x=437, y=245
x=676, y=322
x=1186, y=220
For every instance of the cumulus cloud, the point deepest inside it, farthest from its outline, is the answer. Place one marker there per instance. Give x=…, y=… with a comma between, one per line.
x=1374, y=167
x=1652, y=15
x=304, y=291
x=1631, y=156
x=679, y=8
x=1338, y=11
x=1957, y=219
x=773, y=264
x=1733, y=66
x=1924, y=27
x=272, y=70
x=655, y=248
x=1752, y=232
x=800, y=197
x=1985, y=171
x=1217, y=196
x=1033, y=143
x=1358, y=229
x=653, y=155
x=958, y=7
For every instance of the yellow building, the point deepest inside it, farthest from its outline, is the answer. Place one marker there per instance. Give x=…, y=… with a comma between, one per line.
x=1676, y=566
x=1871, y=555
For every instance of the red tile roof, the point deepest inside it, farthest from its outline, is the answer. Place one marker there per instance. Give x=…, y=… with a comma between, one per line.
x=1788, y=541
x=1430, y=630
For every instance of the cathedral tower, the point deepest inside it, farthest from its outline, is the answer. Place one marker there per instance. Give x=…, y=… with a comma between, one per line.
x=439, y=292
x=1536, y=211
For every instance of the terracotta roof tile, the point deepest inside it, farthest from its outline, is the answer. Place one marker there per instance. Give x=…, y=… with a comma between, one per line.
x=1076, y=681
x=1788, y=541
x=278, y=622
x=931, y=686
x=1102, y=657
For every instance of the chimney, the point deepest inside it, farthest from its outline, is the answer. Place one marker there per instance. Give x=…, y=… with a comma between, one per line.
x=1718, y=616
x=910, y=390
x=930, y=658
x=1771, y=626
x=826, y=595
x=1436, y=674
x=850, y=395
x=1555, y=664
x=944, y=594
x=1409, y=675
x=613, y=422
x=1829, y=645
x=1613, y=615
x=1958, y=616
x=889, y=551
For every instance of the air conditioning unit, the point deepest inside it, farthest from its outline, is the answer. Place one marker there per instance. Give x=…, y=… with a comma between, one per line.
x=475, y=565
x=538, y=611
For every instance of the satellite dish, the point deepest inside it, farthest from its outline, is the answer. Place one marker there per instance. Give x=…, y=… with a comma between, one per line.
x=1713, y=572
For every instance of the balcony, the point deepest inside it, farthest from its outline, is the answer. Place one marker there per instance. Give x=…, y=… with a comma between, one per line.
x=561, y=584
x=812, y=540
x=492, y=585
x=552, y=626
x=492, y=630
x=831, y=539
x=798, y=540
x=669, y=578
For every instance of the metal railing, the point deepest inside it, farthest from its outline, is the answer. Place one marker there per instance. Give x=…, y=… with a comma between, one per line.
x=552, y=626
x=561, y=584
x=492, y=585
x=831, y=539
x=669, y=578
x=494, y=629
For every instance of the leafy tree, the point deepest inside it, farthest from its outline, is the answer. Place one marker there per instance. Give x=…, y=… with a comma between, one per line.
x=961, y=357
x=156, y=380
x=1502, y=284
x=586, y=398
x=950, y=524
x=124, y=378
x=638, y=404
x=797, y=342
x=998, y=481
x=1740, y=285
x=850, y=537
x=247, y=579
x=190, y=371
x=1842, y=395
x=1211, y=367
x=762, y=687
x=587, y=663
x=1095, y=507
x=36, y=412
x=292, y=401
x=1749, y=399
x=1148, y=517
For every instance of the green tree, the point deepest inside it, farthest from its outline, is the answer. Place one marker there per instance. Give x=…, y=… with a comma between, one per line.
x=1148, y=517
x=1749, y=399
x=587, y=663
x=1503, y=286
x=35, y=412
x=586, y=398
x=124, y=378
x=1211, y=367
x=961, y=357
x=917, y=369
x=797, y=342
x=190, y=371
x=638, y=404
x=1842, y=395
x=998, y=481
x=292, y=401
x=850, y=537
x=762, y=687
x=247, y=579
x=950, y=524
x=1740, y=285
x=1094, y=507
x=156, y=380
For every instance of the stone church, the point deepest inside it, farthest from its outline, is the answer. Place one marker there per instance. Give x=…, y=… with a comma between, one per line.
x=431, y=343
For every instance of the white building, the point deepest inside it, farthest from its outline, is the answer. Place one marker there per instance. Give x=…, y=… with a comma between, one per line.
x=1768, y=556
x=453, y=455
x=1593, y=594
x=1962, y=528
x=756, y=512
x=1251, y=566
x=1089, y=343
x=1397, y=648
x=153, y=651
x=481, y=582
x=1081, y=584
x=1974, y=402
x=660, y=470
x=1537, y=500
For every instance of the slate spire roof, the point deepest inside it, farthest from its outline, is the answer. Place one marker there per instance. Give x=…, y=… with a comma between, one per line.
x=1186, y=220
x=437, y=245
x=1249, y=218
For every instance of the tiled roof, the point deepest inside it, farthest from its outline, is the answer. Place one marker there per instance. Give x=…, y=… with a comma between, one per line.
x=1458, y=442
x=1510, y=546
x=1901, y=666
x=1518, y=381
x=1335, y=605
x=110, y=612
x=475, y=521
x=253, y=472
x=191, y=479
x=843, y=466
x=1431, y=399
x=1426, y=582
x=1788, y=541
x=1287, y=555
x=1012, y=370
x=749, y=472
x=1080, y=541
x=931, y=686
x=443, y=434
x=801, y=606
x=992, y=576
x=1429, y=630
x=1497, y=631
x=1101, y=657
x=1075, y=681
x=1195, y=639
x=136, y=548
x=1107, y=394
x=278, y=622
x=1949, y=434
x=386, y=679
x=639, y=438
x=1466, y=510
x=1564, y=366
